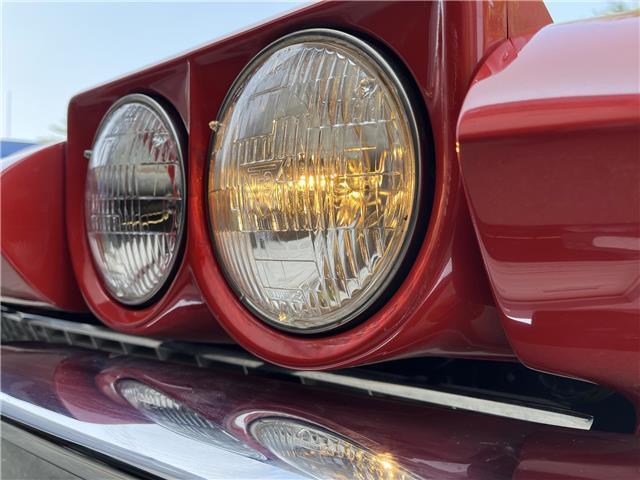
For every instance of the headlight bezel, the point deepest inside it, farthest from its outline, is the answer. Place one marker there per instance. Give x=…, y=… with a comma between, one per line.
x=170, y=119
x=388, y=282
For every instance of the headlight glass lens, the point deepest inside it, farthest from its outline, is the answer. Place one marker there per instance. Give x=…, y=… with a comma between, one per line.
x=313, y=182
x=322, y=454
x=135, y=199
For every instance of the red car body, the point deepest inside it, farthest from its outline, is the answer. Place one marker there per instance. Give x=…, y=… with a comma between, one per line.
x=531, y=250
x=549, y=147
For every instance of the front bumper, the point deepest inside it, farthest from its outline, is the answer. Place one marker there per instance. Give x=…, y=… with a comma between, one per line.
x=62, y=383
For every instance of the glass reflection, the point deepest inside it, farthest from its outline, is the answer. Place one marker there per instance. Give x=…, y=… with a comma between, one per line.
x=169, y=413
x=321, y=454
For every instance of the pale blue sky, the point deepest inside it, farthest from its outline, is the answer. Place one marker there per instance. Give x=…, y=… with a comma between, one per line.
x=52, y=50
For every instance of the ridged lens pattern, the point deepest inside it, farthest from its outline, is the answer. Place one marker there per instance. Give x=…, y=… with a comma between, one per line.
x=134, y=201
x=322, y=454
x=180, y=419
x=313, y=184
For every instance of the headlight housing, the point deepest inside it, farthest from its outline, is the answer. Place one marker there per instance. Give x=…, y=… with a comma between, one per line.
x=134, y=203
x=314, y=181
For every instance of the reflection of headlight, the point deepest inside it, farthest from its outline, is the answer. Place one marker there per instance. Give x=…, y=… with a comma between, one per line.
x=314, y=180
x=322, y=454
x=180, y=419
x=135, y=195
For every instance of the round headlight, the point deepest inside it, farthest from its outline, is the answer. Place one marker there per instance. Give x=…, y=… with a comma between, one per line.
x=320, y=453
x=314, y=181
x=135, y=198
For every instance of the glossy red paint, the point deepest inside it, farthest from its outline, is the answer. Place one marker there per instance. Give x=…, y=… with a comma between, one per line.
x=549, y=146
x=36, y=267
x=25, y=361
x=565, y=456
x=61, y=379
x=444, y=306
x=75, y=386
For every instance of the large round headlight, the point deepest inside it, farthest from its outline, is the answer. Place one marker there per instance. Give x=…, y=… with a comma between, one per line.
x=314, y=181
x=135, y=198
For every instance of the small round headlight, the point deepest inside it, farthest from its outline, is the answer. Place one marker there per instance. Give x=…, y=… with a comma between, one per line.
x=314, y=181
x=135, y=199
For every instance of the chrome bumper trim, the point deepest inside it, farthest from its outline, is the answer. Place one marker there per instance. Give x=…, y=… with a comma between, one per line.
x=37, y=327
x=150, y=448
x=26, y=303
x=456, y=401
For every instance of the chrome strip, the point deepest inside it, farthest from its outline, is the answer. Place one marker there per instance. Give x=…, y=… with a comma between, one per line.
x=456, y=401
x=36, y=327
x=26, y=303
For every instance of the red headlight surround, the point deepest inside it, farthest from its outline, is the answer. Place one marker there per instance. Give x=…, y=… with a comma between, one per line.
x=179, y=309
x=421, y=194
x=434, y=297
x=437, y=309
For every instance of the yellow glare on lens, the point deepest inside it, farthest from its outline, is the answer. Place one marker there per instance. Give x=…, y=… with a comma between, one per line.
x=313, y=183
x=306, y=202
x=388, y=467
